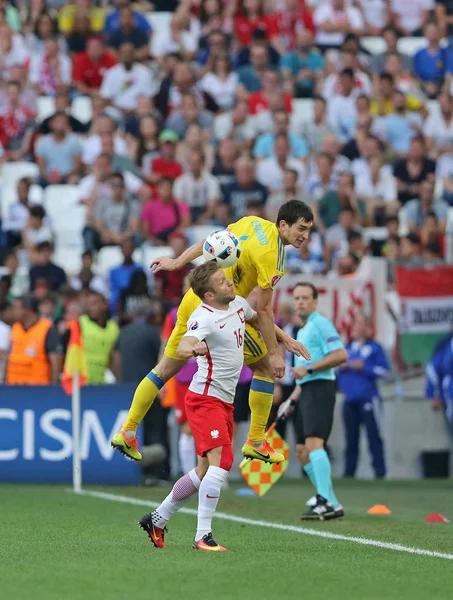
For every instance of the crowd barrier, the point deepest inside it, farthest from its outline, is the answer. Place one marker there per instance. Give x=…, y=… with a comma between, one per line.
x=36, y=435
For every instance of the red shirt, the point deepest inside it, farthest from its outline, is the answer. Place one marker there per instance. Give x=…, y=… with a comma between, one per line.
x=90, y=73
x=13, y=123
x=244, y=27
x=172, y=283
x=288, y=26
x=171, y=169
x=258, y=102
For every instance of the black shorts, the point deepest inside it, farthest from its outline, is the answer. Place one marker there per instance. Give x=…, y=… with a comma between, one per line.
x=313, y=415
x=241, y=412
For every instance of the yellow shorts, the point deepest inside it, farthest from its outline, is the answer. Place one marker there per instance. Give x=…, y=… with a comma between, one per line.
x=254, y=347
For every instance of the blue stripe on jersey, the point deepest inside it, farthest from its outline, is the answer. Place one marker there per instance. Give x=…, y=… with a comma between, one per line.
x=281, y=255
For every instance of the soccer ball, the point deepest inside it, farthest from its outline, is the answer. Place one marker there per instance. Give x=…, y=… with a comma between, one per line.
x=223, y=247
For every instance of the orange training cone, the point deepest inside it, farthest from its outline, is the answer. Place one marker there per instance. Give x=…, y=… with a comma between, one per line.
x=436, y=518
x=379, y=509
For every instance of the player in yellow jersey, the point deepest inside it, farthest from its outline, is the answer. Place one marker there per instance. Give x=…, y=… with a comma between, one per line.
x=261, y=264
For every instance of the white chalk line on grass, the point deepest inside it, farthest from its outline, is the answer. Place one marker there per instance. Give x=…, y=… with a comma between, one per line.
x=302, y=530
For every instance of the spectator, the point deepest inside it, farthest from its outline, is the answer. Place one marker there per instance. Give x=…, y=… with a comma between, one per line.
x=237, y=124
x=20, y=280
x=388, y=247
x=217, y=45
x=162, y=215
x=323, y=181
x=377, y=187
x=315, y=130
x=302, y=69
x=145, y=108
x=69, y=13
x=438, y=129
x=251, y=76
x=354, y=149
x=260, y=101
x=16, y=216
x=418, y=209
x=258, y=36
x=224, y=166
x=12, y=15
x=404, y=81
x=42, y=365
x=89, y=67
x=51, y=71
x=13, y=52
x=410, y=250
x=164, y=163
x=270, y=171
x=135, y=296
x=199, y=190
x=291, y=191
x=361, y=82
x=17, y=122
x=294, y=18
x=333, y=20
x=332, y=203
x=36, y=230
x=357, y=379
x=382, y=103
x=189, y=114
x=250, y=17
x=87, y=280
x=221, y=82
x=129, y=33
x=116, y=219
x=370, y=146
x=264, y=145
x=78, y=38
x=92, y=146
x=170, y=284
x=444, y=13
x=342, y=112
x=45, y=269
x=410, y=18
x=401, y=126
x=120, y=276
x=45, y=28
x=414, y=169
x=308, y=258
x=336, y=242
x=243, y=191
x=195, y=140
x=58, y=154
x=63, y=104
x=144, y=144
x=429, y=63
x=174, y=39
x=376, y=15
x=378, y=61
x=27, y=96
x=112, y=21
x=125, y=82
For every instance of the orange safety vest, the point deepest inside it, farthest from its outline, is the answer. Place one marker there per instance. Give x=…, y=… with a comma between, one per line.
x=27, y=362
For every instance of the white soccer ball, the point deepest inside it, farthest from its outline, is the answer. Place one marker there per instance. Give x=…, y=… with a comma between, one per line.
x=223, y=247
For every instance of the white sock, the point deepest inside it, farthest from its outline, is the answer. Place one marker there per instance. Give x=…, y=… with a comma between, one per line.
x=208, y=497
x=184, y=488
x=130, y=434
x=187, y=454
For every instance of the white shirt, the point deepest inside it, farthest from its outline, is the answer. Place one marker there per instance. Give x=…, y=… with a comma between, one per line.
x=342, y=115
x=223, y=92
x=36, y=69
x=163, y=43
x=411, y=12
x=436, y=127
x=325, y=12
x=223, y=128
x=374, y=12
x=17, y=56
x=223, y=331
x=384, y=189
x=332, y=85
x=92, y=148
x=86, y=185
x=270, y=174
x=196, y=193
x=124, y=87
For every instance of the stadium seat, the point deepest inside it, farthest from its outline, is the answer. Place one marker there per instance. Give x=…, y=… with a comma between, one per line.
x=375, y=45
x=66, y=214
x=12, y=172
x=82, y=109
x=111, y=256
x=149, y=253
x=46, y=107
x=374, y=233
x=199, y=232
x=68, y=259
x=9, y=195
x=159, y=20
x=411, y=45
x=302, y=111
x=432, y=106
x=404, y=227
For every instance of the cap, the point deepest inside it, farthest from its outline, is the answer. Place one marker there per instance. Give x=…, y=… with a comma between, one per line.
x=167, y=135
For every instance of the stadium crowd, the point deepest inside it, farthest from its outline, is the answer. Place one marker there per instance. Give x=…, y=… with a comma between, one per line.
x=196, y=123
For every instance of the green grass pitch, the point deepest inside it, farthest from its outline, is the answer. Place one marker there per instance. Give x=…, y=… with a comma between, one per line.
x=59, y=546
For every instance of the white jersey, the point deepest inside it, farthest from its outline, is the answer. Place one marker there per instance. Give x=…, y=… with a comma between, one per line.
x=223, y=331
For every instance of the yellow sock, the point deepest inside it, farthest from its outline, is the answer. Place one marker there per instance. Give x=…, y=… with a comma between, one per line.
x=144, y=396
x=260, y=402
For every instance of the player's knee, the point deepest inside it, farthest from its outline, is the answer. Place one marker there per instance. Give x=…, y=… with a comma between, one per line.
x=226, y=457
x=314, y=443
x=185, y=428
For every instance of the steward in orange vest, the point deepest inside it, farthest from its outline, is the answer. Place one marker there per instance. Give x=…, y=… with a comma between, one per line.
x=34, y=358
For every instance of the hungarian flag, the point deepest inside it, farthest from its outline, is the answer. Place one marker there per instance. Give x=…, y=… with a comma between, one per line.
x=426, y=309
x=75, y=360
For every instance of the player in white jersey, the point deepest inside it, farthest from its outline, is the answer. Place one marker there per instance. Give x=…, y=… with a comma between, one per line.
x=215, y=335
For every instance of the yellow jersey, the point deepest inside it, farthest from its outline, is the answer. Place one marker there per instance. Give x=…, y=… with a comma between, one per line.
x=262, y=259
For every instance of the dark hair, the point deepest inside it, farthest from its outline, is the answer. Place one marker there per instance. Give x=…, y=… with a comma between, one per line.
x=433, y=247
x=26, y=180
x=386, y=77
x=347, y=209
x=37, y=211
x=15, y=84
x=432, y=215
x=29, y=302
x=117, y=175
x=44, y=246
x=313, y=288
x=59, y=113
x=413, y=238
x=394, y=238
x=200, y=278
x=292, y=211
x=87, y=253
x=391, y=29
x=292, y=171
x=353, y=236
x=348, y=72
x=391, y=219
x=38, y=20
x=328, y=157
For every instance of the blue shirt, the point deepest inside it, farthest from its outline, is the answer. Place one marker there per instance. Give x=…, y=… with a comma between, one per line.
x=399, y=132
x=119, y=279
x=249, y=78
x=264, y=145
x=112, y=22
x=429, y=67
x=58, y=155
x=360, y=385
x=439, y=372
x=295, y=63
x=320, y=338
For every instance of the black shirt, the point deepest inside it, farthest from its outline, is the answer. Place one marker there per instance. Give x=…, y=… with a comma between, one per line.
x=138, y=38
x=350, y=150
x=224, y=175
x=51, y=273
x=238, y=199
x=400, y=171
x=75, y=125
x=139, y=345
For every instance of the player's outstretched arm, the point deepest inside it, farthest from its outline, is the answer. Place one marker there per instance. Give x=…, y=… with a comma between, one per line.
x=191, y=346
x=165, y=263
x=290, y=344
